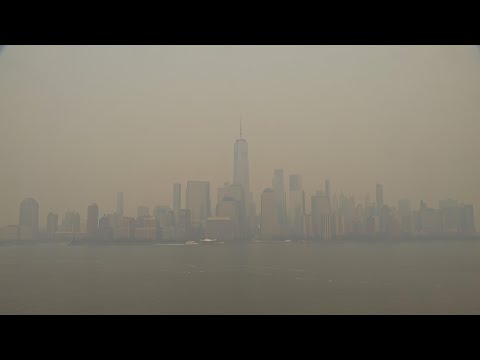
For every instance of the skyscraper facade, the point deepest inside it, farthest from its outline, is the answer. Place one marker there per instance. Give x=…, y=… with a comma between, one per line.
x=177, y=198
x=321, y=219
x=241, y=176
x=52, y=223
x=380, y=210
x=296, y=206
x=240, y=164
x=198, y=202
x=232, y=205
x=268, y=215
x=29, y=215
x=120, y=204
x=143, y=211
x=280, y=199
x=379, y=197
x=92, y=219
x=327, y=188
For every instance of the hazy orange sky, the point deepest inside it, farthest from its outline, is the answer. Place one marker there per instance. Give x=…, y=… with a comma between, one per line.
x=79, y=123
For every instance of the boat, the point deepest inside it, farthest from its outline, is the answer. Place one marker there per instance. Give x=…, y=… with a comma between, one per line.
x=190, y=242
x=208, y=241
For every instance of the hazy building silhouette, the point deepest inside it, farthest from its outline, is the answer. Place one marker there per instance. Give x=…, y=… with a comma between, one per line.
x=28, y=220
x=71, y=222
x=220, y=228
x=105, y=228
x=241, y=176
x=308, y=226
x=296, y=206
x=321, y=220
x=184, y=219
x=240, y=163
x=268, y=215
x=198, y=202
x=278, y=185
x=52, y=223
x=143, y=211
x=379, y=196
x=405, y=215
x=469, y=219
x=166, y=221
x=177, y=198
x=124, y=229
x=379, y=200
x=232, y=209
x=233, y=205
x=327, y=188
x=92, y=219
x=120, y=204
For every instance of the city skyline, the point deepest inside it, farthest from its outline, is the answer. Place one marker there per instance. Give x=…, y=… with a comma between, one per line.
x=234, y=218
x=304, y=110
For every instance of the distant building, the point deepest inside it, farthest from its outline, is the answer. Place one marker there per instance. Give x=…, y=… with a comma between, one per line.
x=296, y=206
x=468, y=219
x=106, y=226
x=431, y=221
x=405, y=216
x=143, y=211
x=71, y=222
x=240, y=163
x=177, y=198
x=198, y=202
x=120, y=204
x=308, y=226
x=10, y=232
x=379, y=200
x=280, y=200
x=92, y=219
x=124, y=229
x=52, y=223
x=321, y=219
x=220, y=228
x=183, y=226
x=269, y=227
x=29, y=216
x=327, y=188
x=232, y=205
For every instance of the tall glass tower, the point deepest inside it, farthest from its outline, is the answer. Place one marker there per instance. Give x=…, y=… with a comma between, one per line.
x=240, y=163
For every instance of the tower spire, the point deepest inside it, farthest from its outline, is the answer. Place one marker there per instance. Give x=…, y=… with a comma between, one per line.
x=241, y=128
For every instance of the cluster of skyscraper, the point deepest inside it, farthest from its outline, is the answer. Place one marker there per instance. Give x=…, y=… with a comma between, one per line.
x=235, y=217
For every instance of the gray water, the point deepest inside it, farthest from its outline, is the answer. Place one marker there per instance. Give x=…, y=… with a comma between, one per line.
x=295, y=278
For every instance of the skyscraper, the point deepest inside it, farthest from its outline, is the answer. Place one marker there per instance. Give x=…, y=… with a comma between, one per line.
x=92, y=219
x=29, y=215
x=268, y=215
x=321, y=220
x=240, y=163
x=143, y=211
x=379, y=197
x=52, y=223
x=120, y=204
x=198, y=202
x=295, y=182
x=296, y=206
x=177, y=193
x=327, y=188
x=232, y=205
x=280, y=199
x=241, y=177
